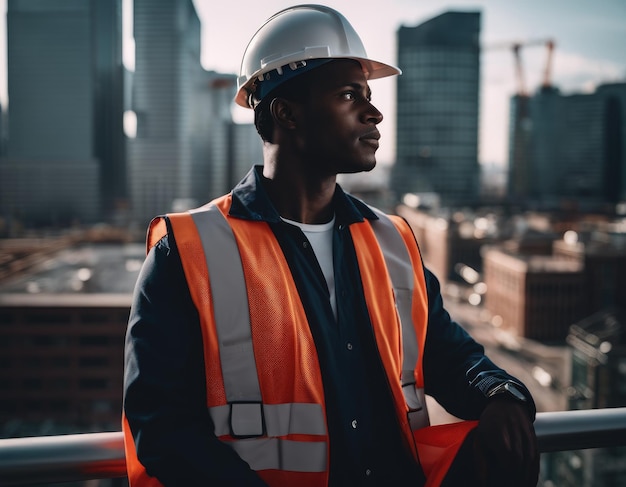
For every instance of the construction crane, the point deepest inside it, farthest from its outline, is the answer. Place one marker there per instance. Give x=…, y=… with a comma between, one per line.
x=516, y=48
x=519, y=144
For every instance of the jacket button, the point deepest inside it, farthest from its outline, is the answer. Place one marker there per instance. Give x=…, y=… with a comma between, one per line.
x=368, y=472
x=349, y=346
x=354, y=423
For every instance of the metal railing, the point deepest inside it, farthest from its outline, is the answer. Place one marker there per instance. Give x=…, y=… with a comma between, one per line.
x=68, y=458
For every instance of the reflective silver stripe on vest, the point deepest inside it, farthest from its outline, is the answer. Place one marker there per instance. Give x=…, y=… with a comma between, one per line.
x=245, y=415
x=280, y=419
x=400, y=269
x=232, y=318
x=274, y=453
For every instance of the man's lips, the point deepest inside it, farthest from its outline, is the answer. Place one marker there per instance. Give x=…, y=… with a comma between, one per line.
x=371, y=138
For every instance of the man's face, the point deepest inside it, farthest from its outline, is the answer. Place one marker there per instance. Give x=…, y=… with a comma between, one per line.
x=337, y=124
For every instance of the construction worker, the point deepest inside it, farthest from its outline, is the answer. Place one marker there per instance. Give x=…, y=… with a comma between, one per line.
x=286, y=334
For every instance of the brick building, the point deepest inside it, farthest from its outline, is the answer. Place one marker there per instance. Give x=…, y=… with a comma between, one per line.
x=603, y=257
x=62, y=328
x=537, y=296
x=61, y=363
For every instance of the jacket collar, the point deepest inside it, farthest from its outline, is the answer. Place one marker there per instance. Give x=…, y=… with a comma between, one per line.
x=251, y=202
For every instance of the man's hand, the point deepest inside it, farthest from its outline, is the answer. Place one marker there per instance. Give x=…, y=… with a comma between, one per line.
x=505, y=445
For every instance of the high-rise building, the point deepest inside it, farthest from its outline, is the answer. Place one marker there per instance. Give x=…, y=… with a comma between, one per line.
x=168, y=78
x=65, y=154
x=437, y=108
x=2, y=129
x=519, y=178
x=234, y=147
x=246, y=150
x=570, y=148
x=185, y=152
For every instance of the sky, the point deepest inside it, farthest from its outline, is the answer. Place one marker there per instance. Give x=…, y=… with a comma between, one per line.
x=590, y=37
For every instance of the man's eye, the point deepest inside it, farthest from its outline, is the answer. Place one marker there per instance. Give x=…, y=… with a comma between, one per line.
x=348, y=95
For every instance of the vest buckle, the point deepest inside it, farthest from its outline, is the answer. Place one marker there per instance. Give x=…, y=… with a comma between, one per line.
x=411, y=397
x=416, y=402
x=247, y=419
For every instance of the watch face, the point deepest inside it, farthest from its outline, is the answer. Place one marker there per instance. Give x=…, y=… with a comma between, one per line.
x=514, y=391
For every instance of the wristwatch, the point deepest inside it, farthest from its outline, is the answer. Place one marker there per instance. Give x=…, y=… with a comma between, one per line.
x=509, y=388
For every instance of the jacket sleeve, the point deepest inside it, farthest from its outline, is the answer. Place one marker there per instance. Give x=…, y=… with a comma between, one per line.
x=456, y=371
x=164, y=382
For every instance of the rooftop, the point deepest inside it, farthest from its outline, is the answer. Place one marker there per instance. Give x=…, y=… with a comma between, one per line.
x=79, y=273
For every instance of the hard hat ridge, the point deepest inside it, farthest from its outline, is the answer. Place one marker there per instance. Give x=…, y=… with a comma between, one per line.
x=296, y=35
x=266, y=82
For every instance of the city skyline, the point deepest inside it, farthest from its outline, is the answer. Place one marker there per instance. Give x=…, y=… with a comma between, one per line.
x=589, y=49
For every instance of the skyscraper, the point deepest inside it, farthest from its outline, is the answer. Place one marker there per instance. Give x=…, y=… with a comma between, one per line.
x=185, y=152
x=65, y=153
x=575, y=147
x=437, y=108
x=234, y=148
x=167, y=84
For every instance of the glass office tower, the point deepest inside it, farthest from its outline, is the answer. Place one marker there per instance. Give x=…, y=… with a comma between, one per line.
x=437, y=108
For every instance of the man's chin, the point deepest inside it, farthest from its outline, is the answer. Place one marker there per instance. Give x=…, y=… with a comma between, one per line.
x=363, y=167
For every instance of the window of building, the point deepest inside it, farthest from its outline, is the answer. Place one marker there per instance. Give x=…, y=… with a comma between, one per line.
x=60, y=362
x=59, y=406
x=93, y=362
x=93, y=383
x=32, y=406
x=59, y=383
x=94, y=318
x=94, y=340
x=6, y=319
x=49, y=341
x=8, y=407
x=47, y=318
x=32, y=383
x=102, y=406
x=32, y=362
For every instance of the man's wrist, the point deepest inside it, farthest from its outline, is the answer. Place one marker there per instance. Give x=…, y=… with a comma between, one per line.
x=513, y=391
x=508, y=388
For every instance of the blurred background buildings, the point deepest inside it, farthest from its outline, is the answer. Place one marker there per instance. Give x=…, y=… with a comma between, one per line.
x=65, y=157
x=531, y=256
x=187, y=149
x=437, y=116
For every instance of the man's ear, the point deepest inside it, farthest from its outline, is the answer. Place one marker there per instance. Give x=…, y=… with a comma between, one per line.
x=284, y=113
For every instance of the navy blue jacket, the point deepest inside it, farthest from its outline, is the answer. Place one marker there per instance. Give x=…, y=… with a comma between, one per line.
x=165, y=395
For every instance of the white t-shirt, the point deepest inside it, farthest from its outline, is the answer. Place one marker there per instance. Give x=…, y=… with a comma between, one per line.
x=321, y=239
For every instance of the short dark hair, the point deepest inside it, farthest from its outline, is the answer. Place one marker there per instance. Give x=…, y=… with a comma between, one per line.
x=296, y=89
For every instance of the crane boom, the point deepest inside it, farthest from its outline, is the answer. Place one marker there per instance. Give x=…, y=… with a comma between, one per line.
x=547, y=72
x=516, y=48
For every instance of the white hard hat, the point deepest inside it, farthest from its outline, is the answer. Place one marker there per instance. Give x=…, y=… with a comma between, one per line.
x=297, y=34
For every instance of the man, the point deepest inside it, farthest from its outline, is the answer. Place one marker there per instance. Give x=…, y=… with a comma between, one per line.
x=286, y=333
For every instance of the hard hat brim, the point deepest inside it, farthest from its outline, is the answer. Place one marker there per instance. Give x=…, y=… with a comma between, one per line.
x=371, y=68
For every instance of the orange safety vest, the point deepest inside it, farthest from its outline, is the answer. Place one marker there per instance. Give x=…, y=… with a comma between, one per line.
x=266, y=395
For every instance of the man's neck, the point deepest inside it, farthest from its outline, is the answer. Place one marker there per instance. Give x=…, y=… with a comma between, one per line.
x=298, y=196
